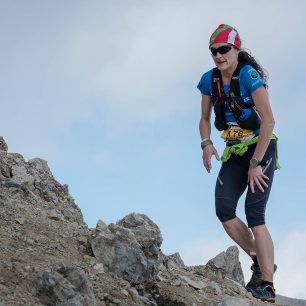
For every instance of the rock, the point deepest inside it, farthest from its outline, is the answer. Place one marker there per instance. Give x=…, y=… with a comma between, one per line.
x=100, y=225
x=225, y=264
x=99, y=268
x=129, y=248
x=3, y=145
x=125, y=292
x=120, y=253
x=20, y=220
x=192, y=283
x=146, y=233
x=54, y=289
x=213, y=288
x=176, y=258
x=234, y=301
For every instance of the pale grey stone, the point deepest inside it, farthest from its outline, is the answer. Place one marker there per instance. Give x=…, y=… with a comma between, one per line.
x=100, y=225
x=146, y=232
x=3, y=145
x=99, y=268
x=55, y=289
x=234, y=301
x=129, y=248
x=177, y=259
x=225, y=264
x=192, y=283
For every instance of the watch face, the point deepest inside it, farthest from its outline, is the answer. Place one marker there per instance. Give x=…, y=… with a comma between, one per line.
x=254, y=162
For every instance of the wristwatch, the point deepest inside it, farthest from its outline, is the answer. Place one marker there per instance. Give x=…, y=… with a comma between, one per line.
x=254, y=162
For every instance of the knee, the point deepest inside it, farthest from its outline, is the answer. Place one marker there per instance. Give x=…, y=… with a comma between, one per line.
x=257, y=229
x=229, y=224
x=225, y=209
x=255, y=215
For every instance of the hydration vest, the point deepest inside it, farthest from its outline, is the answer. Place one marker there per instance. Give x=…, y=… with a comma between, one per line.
x=245, y=114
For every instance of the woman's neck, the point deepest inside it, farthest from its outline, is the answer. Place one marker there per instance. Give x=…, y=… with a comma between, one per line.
x=227, y=74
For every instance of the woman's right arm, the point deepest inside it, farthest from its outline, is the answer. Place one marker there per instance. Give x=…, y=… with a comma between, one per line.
x=205, y=130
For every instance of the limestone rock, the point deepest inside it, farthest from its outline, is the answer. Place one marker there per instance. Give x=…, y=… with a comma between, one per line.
x=176, y=258
x=225, y=264
x=146, y=232
x=3, y=145
x=126, y=251
x=70, y=287
x=234, y=301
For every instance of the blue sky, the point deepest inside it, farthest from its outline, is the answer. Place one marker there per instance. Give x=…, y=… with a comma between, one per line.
x=105, y=91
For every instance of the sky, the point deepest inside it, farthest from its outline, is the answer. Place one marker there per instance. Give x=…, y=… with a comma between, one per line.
x=105, y=91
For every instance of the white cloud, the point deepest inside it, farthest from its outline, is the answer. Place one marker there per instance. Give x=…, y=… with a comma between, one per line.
x=129, y=62
x=290, y=255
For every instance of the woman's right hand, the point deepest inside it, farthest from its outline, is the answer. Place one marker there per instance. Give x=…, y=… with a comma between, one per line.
x=208, y=151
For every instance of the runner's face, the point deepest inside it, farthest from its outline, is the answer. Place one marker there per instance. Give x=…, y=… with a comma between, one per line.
x=226, y=61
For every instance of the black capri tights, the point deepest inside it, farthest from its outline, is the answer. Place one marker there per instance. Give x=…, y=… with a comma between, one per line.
x=232, y=182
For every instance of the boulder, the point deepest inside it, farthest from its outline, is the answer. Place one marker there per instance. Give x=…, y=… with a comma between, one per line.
x=225, y=264
x=129, y=248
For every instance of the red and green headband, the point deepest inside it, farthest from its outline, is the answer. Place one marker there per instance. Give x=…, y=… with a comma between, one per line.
x=225, y=34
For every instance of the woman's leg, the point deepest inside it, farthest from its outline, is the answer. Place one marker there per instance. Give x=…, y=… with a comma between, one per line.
x=255, y=206
x=265, y=251
x=230, y=185
x=240, y=233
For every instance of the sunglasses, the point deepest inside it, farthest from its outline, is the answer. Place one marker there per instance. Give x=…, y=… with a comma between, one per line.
x=221, y=50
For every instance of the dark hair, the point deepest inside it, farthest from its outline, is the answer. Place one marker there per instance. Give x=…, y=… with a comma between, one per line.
x=245, y=57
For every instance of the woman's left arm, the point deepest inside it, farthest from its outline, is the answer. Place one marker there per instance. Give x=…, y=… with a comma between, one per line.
x=261, y=101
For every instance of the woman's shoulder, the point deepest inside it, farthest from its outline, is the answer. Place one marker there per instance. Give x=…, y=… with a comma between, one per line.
x=249, y=72
x=205, y=83
x=250, y=78
x=207, y=74
x=206, y=77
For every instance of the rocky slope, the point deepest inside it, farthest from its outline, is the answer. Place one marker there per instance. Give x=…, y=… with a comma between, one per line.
x=48, y=255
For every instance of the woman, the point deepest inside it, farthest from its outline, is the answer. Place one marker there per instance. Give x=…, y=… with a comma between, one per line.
x=236, y=89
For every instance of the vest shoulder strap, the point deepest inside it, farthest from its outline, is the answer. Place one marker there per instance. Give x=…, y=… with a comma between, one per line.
x=217, y=84
x=235, y=84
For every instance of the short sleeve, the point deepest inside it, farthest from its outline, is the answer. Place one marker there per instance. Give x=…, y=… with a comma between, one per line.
x=251, y=79
x=205, y=84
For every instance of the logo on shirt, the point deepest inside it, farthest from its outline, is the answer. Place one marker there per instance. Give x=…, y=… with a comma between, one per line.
x=254, y=74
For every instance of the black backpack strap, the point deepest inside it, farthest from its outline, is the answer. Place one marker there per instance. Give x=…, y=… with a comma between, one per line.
x=235, y=84
x=217, y=99
x=216, y=84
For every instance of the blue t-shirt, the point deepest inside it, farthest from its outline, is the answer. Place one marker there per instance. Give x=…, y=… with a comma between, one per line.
x=249, y=80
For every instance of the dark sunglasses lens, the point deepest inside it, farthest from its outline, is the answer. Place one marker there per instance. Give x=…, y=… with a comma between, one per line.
x=213, y=51
x=225, y=49
x=221, y=50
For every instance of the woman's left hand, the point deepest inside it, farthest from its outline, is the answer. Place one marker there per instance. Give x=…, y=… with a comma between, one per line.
x=256, y=176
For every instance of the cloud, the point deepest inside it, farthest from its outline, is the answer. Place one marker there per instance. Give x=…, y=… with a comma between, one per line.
x=127, y=62
x=290, y=256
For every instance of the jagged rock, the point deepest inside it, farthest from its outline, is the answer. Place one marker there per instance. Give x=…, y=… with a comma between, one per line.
x=121, y=253
x=3, y=145
x=176, y=258
x=146, y=233
x=69, y=287
x=225, y=264
x=101, y=225
x=192, y=283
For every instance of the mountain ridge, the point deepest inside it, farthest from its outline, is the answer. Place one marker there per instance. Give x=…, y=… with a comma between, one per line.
x=49, y=256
